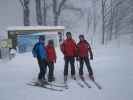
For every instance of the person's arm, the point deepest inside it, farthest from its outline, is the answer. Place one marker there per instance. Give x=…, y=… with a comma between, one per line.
x=45, y=53
x=90, y=51
x=54, y=53
x=77, y=58
x=62, y=47
x=75, y=48
x=34, y=50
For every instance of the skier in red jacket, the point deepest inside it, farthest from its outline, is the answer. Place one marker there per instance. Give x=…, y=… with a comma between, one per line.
x=68, y=47
x=51, y=59
x=84, y=52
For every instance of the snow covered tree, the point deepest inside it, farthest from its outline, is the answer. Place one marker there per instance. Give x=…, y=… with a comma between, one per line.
x=41, y=12
x=94, y=4
x=26, y=12
x=103, y=20
x=61, y=6
x=45, y=8
x=124, y=17
x=116, y=18
x=57, y=10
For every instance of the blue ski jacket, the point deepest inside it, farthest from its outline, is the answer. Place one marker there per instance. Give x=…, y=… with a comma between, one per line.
x=39, y=51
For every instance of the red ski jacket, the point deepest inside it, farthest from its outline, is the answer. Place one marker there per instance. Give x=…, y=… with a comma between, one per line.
x=84, y=49
x=51, y=54
x=69, y=48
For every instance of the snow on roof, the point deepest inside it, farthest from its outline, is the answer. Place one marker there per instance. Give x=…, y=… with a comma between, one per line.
x=36, y=28
x=44, y=33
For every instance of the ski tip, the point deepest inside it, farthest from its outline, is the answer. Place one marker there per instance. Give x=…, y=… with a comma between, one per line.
x=100, y=88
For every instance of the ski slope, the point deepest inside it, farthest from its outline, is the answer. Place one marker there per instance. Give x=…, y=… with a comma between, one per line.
x=113, y=68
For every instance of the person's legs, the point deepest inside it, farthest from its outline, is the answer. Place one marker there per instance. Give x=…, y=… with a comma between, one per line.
x=87, y=61
x=72, y=60
x=66, y=68
x=81, y=60
x=42, y=67
x=51, y=72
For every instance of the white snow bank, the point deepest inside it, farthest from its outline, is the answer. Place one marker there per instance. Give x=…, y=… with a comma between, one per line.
x=112, y=68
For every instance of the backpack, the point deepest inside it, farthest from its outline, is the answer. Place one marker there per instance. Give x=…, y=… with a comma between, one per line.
x=35, y=50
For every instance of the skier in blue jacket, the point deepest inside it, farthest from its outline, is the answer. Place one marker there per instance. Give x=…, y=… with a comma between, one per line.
x=39, y=52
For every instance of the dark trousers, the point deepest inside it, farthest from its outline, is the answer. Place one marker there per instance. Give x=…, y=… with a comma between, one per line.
x=87, y=62
x=51, y=70
x=70, y=60
x=42, y=67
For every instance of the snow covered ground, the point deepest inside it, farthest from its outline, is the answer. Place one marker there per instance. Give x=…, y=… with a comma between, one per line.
x=113, y=68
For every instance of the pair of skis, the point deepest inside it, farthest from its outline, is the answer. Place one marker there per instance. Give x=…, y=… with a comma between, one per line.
x=87, y=84
x=48, y=85
x=61, y=86
x=97, y=85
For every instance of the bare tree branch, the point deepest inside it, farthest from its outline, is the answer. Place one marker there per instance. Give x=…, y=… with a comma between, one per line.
x=38, y=12
x=49, y=6
x=61, y=5
x=57, y=9
x=26, y=12
x=22, y=3
x=116, y=5
x=55, y=6
x=44, y=13
x=71, y=7
x=104, y=2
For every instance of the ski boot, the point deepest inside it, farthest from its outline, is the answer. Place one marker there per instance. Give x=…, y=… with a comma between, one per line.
x=39, y=82
x=91, y=77
x=65, y=78
x=81, y=77
x=51, y=79
x=44, y=82
x=73, y=77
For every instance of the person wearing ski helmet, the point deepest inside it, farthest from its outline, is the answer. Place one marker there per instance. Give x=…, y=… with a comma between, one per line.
x=84, y=52
x=68, y=47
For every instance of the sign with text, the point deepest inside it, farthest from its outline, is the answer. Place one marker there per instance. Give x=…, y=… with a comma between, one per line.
x=6, y=43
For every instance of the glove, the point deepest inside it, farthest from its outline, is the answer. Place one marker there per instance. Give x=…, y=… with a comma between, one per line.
x=34, y=56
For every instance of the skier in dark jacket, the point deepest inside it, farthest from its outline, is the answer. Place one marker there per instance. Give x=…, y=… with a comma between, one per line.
x=84, y=52
x=39, y=52
x=68, y=47
x=51, y=59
